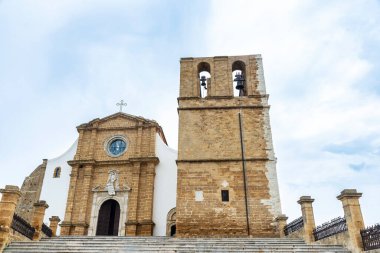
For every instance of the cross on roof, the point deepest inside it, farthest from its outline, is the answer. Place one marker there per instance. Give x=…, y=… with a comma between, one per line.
x=121, y=104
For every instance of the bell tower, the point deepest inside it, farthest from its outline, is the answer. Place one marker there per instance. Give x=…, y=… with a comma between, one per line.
x=227, y=181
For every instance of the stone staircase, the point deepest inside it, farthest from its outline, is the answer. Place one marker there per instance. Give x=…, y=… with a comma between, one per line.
x=167, y=245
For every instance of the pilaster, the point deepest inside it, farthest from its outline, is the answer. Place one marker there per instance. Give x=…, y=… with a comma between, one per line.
x=82, y=224
x=66, y=224
x=131, y=224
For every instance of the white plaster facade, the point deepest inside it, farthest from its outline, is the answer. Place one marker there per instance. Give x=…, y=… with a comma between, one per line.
x=55, y=189
x=165, y=186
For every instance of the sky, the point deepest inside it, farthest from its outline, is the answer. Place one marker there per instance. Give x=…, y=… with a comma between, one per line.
x=64, y=63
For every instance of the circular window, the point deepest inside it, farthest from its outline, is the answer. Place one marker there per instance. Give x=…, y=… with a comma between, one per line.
x=116, y=146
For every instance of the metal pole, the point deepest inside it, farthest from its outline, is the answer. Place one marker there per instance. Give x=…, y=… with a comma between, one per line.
x=244, y=170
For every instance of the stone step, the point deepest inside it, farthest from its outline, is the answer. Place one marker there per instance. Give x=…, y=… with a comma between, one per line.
x=102, y=238
x=167, y=244
x=173, y=249
x=179, y=241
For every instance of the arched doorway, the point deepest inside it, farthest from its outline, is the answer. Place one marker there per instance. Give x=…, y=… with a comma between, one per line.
x=108, y=219
x=173, y=230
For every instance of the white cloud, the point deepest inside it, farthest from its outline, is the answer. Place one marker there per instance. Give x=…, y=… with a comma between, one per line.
x=316, y=72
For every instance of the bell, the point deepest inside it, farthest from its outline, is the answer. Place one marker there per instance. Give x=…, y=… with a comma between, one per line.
x=239, y=79
x=203, y=81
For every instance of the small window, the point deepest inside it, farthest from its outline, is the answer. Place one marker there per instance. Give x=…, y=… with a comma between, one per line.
x=57, y=172
x=225, y=196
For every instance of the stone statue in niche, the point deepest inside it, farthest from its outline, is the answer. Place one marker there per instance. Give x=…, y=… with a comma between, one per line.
x=112, y=182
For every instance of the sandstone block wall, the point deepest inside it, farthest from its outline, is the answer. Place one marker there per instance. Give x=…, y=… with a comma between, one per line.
x=210, y=152
x=136, y=171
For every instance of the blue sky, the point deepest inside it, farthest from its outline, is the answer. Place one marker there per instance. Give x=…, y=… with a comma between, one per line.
x=63, y=63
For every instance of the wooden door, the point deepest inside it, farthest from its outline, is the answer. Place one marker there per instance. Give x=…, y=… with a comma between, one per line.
x=108, y=218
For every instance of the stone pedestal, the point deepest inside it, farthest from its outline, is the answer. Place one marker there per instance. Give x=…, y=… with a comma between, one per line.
x=38, y=218
x=281, y=223
x=353, y=215
x=146, y=228
x=131, y=228
x=306, y=203
x=10, y=197
x=54, y=220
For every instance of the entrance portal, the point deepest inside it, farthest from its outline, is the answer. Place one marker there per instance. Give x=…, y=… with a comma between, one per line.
x=108, y=219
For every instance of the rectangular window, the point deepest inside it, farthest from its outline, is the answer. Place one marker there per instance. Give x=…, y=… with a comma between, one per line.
x=225, y=196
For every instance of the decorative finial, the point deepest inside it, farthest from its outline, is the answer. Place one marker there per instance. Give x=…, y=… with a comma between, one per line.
x=121, y=104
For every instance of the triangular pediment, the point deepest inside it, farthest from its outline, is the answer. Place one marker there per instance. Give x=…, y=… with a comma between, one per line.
x=118, y=120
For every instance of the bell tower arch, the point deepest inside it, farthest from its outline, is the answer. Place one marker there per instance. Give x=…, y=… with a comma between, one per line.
x=227, y=181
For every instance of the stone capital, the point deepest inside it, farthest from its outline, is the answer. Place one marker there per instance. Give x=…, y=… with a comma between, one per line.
x=349, y=193
x=281, y=217
x=41, y=203
x=305, y=199
x=54, y=218
x=11, y=189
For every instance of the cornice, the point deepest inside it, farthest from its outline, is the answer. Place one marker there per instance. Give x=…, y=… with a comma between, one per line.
x=152, y=159
x=222, y=107
x=264, y=159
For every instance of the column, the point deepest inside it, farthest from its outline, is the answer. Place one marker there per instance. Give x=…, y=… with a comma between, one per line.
x=306, y=203
x=10, y=197
x=353, y=215
x=38, y=218
x=54, y=220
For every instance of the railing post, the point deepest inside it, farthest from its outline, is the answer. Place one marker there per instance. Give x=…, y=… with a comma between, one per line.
x=281, y=223
x=38, y=218
x=306, y=203
x=9, y=199
x=54, y=220
x=353, y=215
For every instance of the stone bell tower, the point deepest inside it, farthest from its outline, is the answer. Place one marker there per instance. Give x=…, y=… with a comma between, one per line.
x=227, y=181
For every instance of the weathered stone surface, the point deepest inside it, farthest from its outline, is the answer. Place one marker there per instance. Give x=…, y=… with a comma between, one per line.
x=306, y=203
x=9, y=199
x=210, y=152
x=31, y=192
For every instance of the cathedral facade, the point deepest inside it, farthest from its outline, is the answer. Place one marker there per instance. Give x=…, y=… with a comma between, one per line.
x=121, y=178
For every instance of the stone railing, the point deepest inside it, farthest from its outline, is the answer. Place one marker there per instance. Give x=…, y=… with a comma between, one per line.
x=371, y=237
x=333, y=227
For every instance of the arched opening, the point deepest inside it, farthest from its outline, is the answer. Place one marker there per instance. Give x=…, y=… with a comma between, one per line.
x=204, y=75
x=108, y=218
x=57, y=172
x=173, y=229
x=239, y=79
